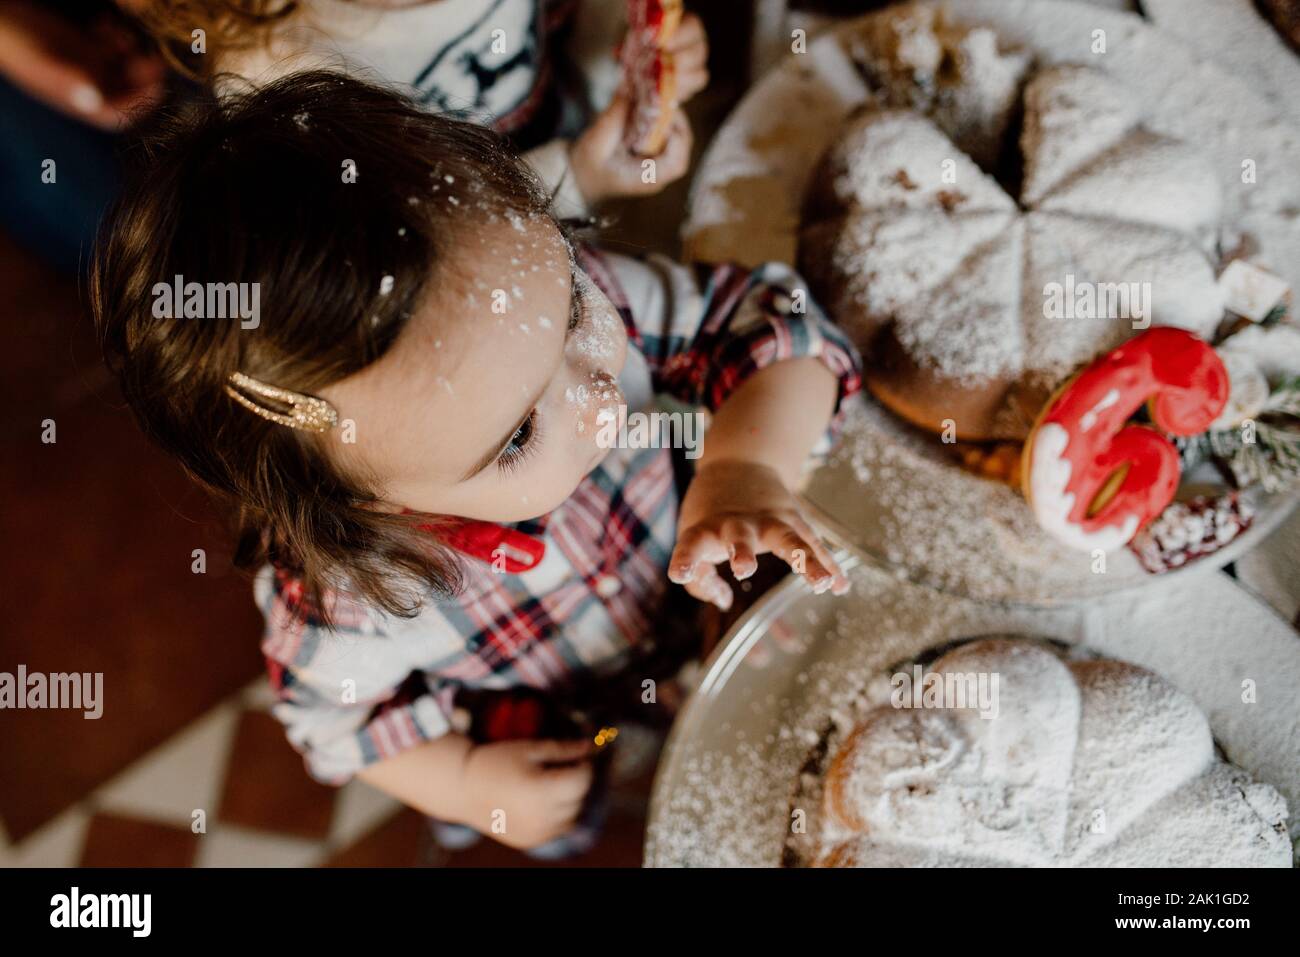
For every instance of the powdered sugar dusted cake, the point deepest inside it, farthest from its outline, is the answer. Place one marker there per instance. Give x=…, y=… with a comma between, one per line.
x=959, y=76
x=1064, y=763
x=937, y=249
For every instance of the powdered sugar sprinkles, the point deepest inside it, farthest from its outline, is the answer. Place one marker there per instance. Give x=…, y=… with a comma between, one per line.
x=741, y=785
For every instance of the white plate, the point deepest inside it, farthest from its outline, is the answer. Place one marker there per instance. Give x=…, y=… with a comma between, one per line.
x=931, y=520
x=722, y=789
x=1273, y=569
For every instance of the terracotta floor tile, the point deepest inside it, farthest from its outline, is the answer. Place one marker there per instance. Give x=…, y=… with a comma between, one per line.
x=403, y=841
x=267, y=787
x=116, y=841
x=226, y=845
x=620, y=846
x=51, y=357
x=97, y=532
x=397, y=842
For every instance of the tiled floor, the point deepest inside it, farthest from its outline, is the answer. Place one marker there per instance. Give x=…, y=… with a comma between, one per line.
x=98, y=530
x=228, y=791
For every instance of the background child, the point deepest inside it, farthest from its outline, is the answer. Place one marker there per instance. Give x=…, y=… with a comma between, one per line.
x=514, y=65
x=409, y=433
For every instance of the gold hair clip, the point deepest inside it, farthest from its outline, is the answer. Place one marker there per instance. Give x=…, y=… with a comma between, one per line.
x=305, y=411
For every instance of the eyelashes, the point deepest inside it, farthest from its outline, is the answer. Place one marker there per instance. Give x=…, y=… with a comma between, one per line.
x=527, y=438
x=521, y=445
x=578, y=300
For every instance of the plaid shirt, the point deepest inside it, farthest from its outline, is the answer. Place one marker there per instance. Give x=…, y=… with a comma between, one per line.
x=574, y=591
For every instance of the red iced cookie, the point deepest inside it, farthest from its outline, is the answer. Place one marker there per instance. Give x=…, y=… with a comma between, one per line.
x=648, y=73
x=1091, y=478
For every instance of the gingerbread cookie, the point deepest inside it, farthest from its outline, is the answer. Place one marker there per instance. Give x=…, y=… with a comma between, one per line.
x=649, y=76
x=1092, y=478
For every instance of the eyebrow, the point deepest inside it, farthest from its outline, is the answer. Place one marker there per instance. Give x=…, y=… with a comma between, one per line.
x=495, y=451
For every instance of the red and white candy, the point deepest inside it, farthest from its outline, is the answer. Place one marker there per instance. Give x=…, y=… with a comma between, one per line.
x=1082, y=445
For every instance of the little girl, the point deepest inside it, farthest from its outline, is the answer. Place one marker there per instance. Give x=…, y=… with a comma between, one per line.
x=514, y=65
x=409, y=430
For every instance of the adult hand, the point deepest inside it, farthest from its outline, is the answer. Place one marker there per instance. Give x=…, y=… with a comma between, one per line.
x=97, y=74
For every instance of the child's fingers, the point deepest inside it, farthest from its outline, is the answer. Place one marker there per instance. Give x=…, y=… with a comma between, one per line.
x=840, y=583
x=690, y=49
x=569, y=784
x=696, y=546
x=552, y=751
x=606, y=130
x=707, y=585
x=676, y=156
x=688, y=38
x=698, y=549
x=742, y=541
x=792, y=548
x=690, y=81
x=553, y=823
x=561, y=817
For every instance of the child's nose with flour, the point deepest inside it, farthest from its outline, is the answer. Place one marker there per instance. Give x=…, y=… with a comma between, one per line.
x=597, y=351
x=591, y=396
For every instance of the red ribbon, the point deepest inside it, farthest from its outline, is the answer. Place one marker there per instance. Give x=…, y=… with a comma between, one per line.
x=491, y=543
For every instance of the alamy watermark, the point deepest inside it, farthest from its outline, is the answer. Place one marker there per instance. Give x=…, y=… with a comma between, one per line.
x=74, y=909
x=83, y=691
x=977, y=690
x=211, y=300
x=1098, y=300
x=650, y=430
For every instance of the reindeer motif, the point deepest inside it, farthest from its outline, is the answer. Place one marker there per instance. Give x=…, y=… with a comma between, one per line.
x=496, y=56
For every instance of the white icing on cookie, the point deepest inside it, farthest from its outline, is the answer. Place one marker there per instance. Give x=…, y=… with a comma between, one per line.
x=1049, y=476
x=1090, y=417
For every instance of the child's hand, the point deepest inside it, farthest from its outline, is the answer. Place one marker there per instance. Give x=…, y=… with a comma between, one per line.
x=539, y=786
x=604, y=168
x=734, y=512
x=689, y=46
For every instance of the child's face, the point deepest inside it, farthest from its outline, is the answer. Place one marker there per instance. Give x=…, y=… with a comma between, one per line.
x=486, y=405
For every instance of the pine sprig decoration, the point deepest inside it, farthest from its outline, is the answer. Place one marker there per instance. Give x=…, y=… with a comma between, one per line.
x=1264, y=450
x=1192, y=449
x=1276, y=315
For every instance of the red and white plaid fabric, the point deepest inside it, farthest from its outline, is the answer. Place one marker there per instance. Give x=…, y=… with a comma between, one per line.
x=582, y=584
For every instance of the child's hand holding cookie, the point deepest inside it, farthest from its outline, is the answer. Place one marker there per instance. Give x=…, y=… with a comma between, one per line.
x=603, y=165
x=604, y=168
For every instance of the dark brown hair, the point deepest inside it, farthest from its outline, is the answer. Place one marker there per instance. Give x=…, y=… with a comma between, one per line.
x=252, y=189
